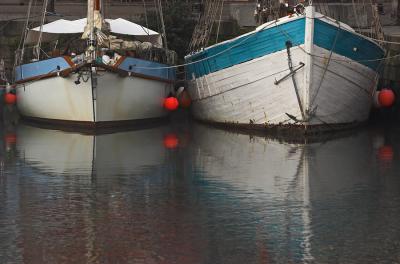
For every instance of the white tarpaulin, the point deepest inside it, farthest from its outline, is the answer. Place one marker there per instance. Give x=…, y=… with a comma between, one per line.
x=63, y=26
x=118, y=26
x=125, y=27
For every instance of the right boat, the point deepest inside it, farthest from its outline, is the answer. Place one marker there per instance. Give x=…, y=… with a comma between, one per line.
x=305, y=70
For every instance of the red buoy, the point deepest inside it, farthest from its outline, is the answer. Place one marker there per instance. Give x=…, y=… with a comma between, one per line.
x=385, y=153
x=171, y=141
x=10, y=98
x=171, y=103
x=10, y=139
x=386, y=98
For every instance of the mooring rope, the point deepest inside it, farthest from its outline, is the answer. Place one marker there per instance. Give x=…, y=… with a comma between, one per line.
x=326, y=66
x=258, y=30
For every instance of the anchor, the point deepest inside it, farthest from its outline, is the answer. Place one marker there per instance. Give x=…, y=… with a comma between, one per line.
x=291, y=74
x=301, y=65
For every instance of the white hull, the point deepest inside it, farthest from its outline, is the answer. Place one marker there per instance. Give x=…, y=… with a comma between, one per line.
x=332, y=89
x=114, y=98
x=346, y=92
x=246, y=93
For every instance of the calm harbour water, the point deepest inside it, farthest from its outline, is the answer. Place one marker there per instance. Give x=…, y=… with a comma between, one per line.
x=216, y=197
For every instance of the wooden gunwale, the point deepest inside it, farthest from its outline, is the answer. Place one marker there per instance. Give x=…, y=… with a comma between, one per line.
x=114, y=68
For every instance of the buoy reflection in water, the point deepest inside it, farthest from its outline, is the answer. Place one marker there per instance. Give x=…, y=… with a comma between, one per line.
x=219, y=197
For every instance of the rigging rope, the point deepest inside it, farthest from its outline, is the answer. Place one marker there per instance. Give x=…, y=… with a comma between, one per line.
x=19, y=53
x=145, y=17
x=39, y=42
x=157, y=16
x=203, y=28
x=251, y=34
x=219, y=22
x=356, y=15
x=160, y=11
x=25, y=31
x=326, y=66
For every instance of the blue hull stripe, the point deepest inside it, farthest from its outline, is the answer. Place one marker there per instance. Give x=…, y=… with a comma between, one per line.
x=246, y=48
x=148, y=68
x=39, y=68
x=348, y=44
x=273, y=39
x=44, y=67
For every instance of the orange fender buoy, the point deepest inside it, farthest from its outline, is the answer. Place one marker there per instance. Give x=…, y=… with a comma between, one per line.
x=171, y=141
x=386, y=98
x=10, y=98
x=10, y=139
x=171, y=103
x=385, y=153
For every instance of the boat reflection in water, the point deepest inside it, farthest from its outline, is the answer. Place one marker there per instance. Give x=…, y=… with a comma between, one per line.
x=329, y=200
x=58, y=152
x=220, y=197
x=74, y=198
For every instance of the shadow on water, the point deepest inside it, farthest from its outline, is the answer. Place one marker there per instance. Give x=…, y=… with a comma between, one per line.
x=189, y=193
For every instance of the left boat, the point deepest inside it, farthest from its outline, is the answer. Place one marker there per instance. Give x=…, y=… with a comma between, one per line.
x=118, y=73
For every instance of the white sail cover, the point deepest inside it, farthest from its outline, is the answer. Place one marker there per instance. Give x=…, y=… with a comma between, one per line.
x=118, y=26
x=63, y=26
x=125, y=27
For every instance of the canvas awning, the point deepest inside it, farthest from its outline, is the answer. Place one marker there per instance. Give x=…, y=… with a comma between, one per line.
x=118, y=26
x=63, y=26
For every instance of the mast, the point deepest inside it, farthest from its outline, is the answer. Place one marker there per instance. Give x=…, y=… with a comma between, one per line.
x=160, y=11
x=89, y=32
x=93, y=29
x=97, y=5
